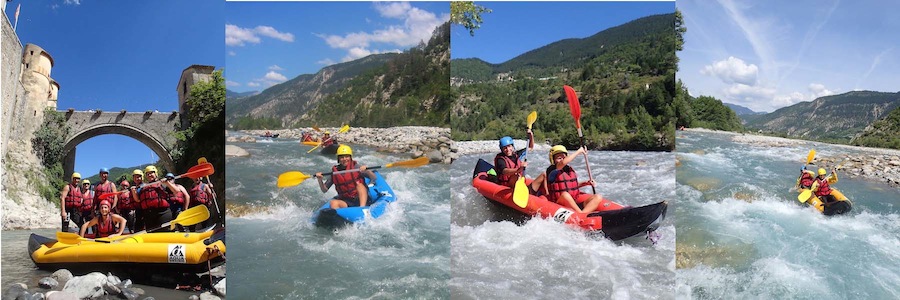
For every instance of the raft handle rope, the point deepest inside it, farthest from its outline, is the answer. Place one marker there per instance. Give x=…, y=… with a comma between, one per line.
x=209, y=252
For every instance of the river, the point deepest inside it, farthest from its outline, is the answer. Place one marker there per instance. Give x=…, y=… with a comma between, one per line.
x=742, y=234
x=493, y=258
x=275, y=252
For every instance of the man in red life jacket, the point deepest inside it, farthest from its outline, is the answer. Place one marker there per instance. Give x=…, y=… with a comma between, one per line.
x=87, y=201
x=70, y=203
x=821, y=186
x=562, y=181
x=125, y=207
x=154, y=199
x=806, y=178
x=350, y=186
x=179, y=200
x=328, y=140
x=201, y=194
x=137, y=178
x=507, y=163
x=106, y=223
x=103, y=187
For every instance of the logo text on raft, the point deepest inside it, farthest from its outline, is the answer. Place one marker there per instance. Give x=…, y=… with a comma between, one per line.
x=176, y=254
x=562, y=215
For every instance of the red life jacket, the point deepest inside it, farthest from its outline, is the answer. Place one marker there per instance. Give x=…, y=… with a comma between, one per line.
x=824, y=189
x=806, y=180
x=328, y=142
x=105, y=228
x=507, y=179
x=345, y=184
x=566, y=180
x=154, y=197
x=176, y=198
x=73, y=198
x=307, y=138
x=125, y=201
x=199, y=195
x=87, y=201
x=100, y=189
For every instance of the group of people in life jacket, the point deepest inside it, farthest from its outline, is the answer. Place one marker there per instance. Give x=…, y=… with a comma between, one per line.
x=139, y=204
x=559, y=183
x=350, y=186
x=327, y=139
x=818, y=184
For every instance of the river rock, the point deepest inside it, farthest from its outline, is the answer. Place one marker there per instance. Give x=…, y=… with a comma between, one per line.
x=435, y=156
x=14, y=291
x=220, y=287
x=87, y=286
x=124, y=284
x=48, y=283
x=36, y=296
x=128, y=294
x=149, y=298
x=194, y=297
x=112, y=289
x=58, y=295
x=247, y=139
x=209, y=296
x=61, y=275
x=232, y=150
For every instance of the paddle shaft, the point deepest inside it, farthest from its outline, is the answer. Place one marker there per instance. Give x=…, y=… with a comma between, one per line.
x=350, y=171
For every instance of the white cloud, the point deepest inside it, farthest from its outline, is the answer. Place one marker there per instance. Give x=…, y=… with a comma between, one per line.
x=232, y=53
x=237, y=36
x=733, y=70
x=253, y=84
x=326, y=62
x=418, y=26
x=789, y=99
x=73, y=2
x=230, y=83
x=819, y=90
x=275, y=68
x=274, y=76
x=357, y=53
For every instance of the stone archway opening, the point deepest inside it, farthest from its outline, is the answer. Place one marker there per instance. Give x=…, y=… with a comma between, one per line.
x=135, y=133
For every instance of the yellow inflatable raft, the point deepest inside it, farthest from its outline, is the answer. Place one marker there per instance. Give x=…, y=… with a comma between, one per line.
x=842, y=205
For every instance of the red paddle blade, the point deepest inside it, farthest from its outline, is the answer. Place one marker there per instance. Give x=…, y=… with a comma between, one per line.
x=106, y=196
x=199, y=171
x=574, y=106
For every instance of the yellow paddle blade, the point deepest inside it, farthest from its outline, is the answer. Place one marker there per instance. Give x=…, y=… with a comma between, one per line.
x=804, y=196
x=201, y=160
x=191, y=216
x=531, y=118
x=311, y=143
x=316, y=128
x=68, y=237
x=344, y=129
x=288, y=179
x=412, y=163
x=809, y=157
x=520, y=193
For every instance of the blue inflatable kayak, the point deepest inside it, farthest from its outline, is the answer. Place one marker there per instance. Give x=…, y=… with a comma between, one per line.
x=380, y=195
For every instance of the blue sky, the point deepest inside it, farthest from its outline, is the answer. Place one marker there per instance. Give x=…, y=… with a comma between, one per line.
x=514, y=28
x=267, y=43
x=115, y=55
x=769, y=54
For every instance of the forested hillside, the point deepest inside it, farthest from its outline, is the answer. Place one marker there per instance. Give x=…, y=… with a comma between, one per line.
x=884, y=133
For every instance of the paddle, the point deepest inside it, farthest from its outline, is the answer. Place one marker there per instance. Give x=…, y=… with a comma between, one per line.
x=316, y=128
x=804, y=196
x=200, y=161
x=292, y=178
x=575, y=107
x=194, y=172
x=343, y=129
x=520, y=191
x=191, y=216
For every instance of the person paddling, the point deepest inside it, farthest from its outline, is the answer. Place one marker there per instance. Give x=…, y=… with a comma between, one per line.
x=350, y=187
x=806, y=178
x=106, y=223
x=562, y=181
x=821, y=186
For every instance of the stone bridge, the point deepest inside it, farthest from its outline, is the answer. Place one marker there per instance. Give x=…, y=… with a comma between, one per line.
x=153, y=129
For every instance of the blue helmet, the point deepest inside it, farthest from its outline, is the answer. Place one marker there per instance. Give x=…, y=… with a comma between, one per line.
x=505, y=141
x=104, y=170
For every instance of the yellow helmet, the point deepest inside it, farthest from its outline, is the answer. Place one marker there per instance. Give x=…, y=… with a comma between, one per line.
x=344, y=150
x=328, y=132
x=85, y=181
x=137, y=172
x=822, y=171
x=150, y=168
x=556, y=150
x=76, y=175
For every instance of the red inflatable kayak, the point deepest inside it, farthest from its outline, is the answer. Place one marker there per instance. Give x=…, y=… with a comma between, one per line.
x=615, y=221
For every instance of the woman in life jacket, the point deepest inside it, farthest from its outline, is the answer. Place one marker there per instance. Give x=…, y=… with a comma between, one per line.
x=806, y=178
x=70, y=203
x=562, y=181
x=821, y=186
x=350, y=186
x=507, y=163
x=107, y=223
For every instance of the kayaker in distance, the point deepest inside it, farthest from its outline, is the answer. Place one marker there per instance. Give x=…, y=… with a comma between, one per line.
x=307, y=137
x=103, y=187
x=350, y=187
x=106, y=223
x=327, y=140
x=562, y=181
x=154, y=199
x=70, y=203
x=806, y=178
x=821, y=186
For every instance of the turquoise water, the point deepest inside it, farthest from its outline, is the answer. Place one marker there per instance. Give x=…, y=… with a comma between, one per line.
x=493, y=258
x=749, y=237
x=274, y=251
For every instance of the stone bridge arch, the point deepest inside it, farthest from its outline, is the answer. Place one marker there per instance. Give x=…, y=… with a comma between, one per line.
x=153, y=129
